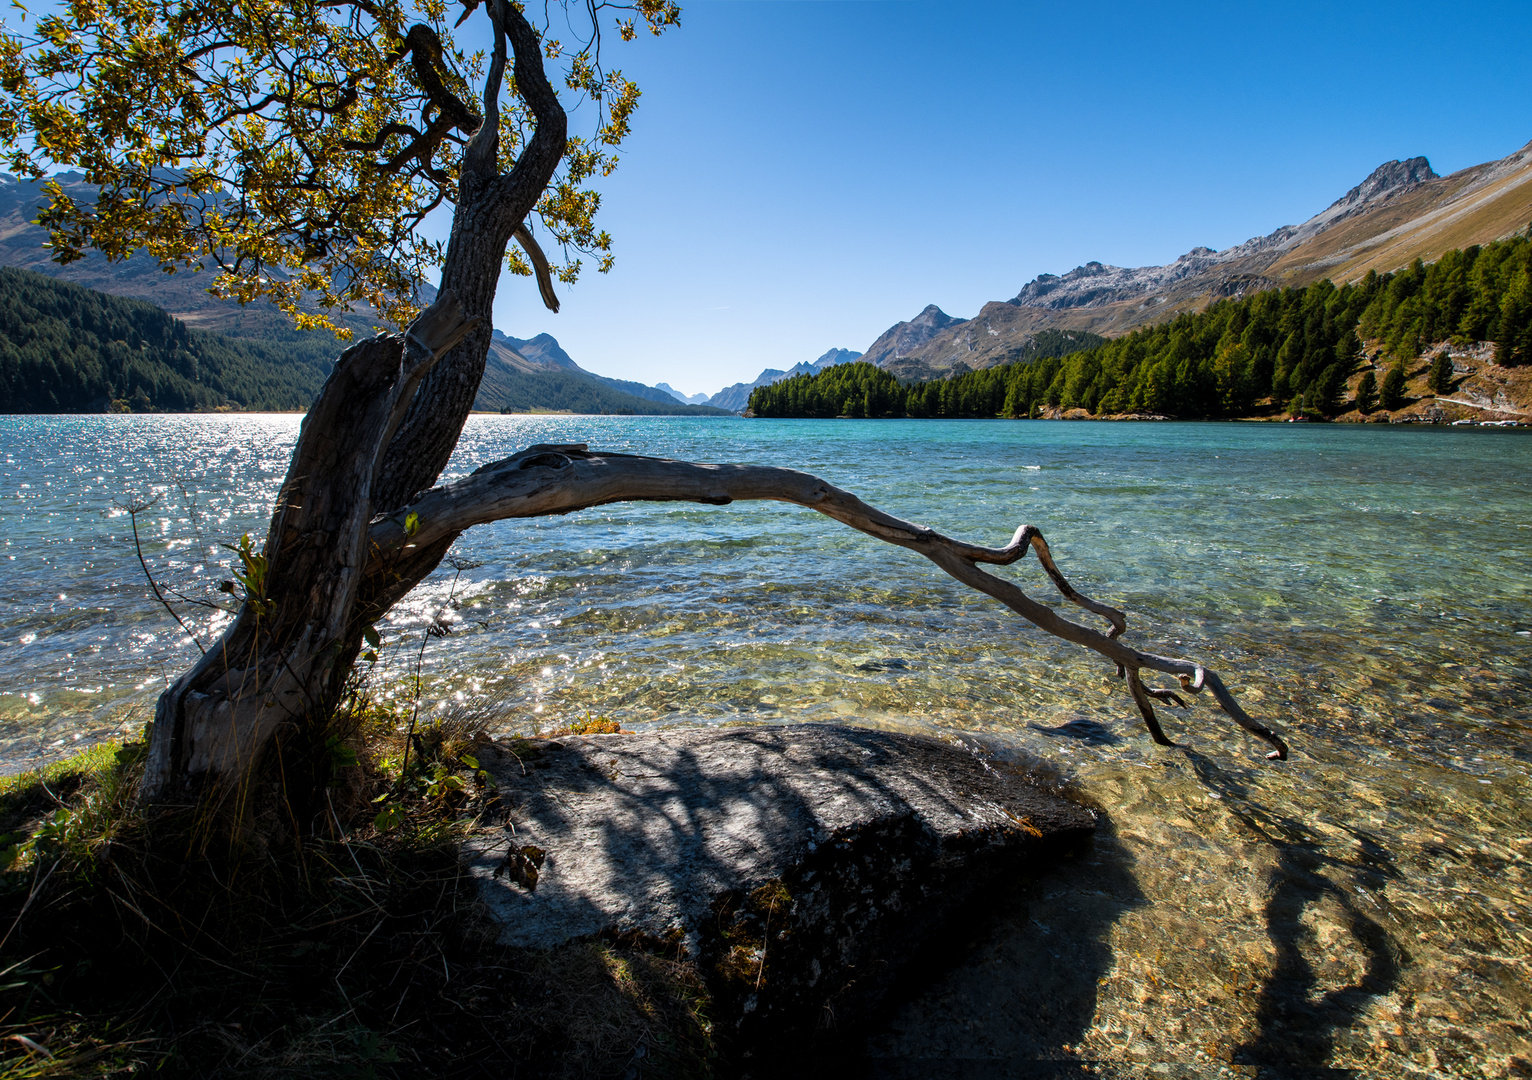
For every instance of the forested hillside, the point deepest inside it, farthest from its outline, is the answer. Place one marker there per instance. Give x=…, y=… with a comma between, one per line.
x=65, y=348
x=1282, y=348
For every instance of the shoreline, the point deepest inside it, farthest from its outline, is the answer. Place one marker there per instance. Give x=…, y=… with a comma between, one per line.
x=1511, y=419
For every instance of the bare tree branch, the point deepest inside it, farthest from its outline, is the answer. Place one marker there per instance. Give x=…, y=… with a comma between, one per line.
x=133, y=509
x=539, y=265
x=480, y=159
x=558, y=479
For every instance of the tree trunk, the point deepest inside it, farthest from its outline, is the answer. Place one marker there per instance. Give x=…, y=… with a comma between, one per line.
x=381, y=431
x=279, y=669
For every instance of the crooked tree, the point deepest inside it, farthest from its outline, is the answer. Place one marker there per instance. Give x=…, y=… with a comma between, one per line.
x=294, y=147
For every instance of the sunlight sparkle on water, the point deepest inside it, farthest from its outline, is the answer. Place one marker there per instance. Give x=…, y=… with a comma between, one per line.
x=1364, y=590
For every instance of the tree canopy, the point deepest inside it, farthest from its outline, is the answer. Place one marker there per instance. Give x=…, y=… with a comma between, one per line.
x=297, y=146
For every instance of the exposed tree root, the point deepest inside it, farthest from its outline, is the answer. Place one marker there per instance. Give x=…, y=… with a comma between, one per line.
x=557, y=479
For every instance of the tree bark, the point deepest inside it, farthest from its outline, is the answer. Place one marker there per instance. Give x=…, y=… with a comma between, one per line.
x=282, y=662
x=382, y=429
x=491, y=208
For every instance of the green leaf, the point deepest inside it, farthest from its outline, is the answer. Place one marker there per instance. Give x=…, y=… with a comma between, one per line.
x=341, y=756
x=370, y=635
x=411, y=523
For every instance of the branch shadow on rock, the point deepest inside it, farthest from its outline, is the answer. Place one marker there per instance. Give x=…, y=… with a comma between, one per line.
x=809, y=892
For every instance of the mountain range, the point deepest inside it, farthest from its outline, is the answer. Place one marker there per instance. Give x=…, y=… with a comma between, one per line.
x=520, y=375
x=736, y=397
x=1401, y=212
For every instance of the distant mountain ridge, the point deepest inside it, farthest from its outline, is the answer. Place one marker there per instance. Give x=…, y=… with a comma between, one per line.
x=736, y=398
x=520, y=374
x=1402, y=211
x=182, y=294
x=695, y=399
x=68, y=349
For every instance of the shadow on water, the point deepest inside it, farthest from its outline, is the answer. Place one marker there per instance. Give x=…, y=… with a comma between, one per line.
x=1012, y=990
x=1011, y=986
x=1016, y=995
x=1081, y=729
x=1298, y=1027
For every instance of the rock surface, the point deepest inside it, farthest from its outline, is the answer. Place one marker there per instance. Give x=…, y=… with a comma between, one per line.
x=792, y=863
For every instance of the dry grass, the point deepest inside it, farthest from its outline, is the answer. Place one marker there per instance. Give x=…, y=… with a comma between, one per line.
x=353, y=945
x=1486, y=381
x=588, y=725
x=1435, y=218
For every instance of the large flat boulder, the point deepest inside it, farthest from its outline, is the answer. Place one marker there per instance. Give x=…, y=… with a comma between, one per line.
x=799, y=865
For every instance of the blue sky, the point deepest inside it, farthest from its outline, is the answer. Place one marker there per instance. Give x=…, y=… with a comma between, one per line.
x=802, y=175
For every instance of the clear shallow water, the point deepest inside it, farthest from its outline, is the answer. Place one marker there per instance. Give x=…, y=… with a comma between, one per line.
x=1363, y=589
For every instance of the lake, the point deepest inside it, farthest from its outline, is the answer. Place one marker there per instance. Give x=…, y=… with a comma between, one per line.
x=1363, y=589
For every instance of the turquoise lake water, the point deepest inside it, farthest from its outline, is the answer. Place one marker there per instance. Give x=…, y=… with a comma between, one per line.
x=1362, y=589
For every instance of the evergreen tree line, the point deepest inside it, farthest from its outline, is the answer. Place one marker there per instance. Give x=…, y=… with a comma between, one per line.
x=1295, y=347
x=861, y=390
x=1477, y=294
x=65, y=348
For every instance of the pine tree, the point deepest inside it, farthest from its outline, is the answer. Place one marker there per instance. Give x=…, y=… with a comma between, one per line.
x=1440, y=378
x=1326, y=390
x=1392, y=395
x=1514, y=344
x=1367, y=393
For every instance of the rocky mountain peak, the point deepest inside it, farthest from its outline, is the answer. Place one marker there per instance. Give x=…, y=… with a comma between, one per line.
x=1078, y=288
x=543, y=350
x=933, y=317
x=836, y=356
x=902, y=337
x=1387, y=179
